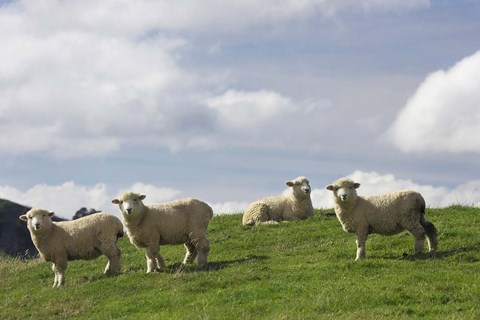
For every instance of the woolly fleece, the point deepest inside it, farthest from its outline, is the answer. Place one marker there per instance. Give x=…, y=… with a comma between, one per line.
x=181, y=221
x=385, y=214
x=297, y=205
x=82, y=239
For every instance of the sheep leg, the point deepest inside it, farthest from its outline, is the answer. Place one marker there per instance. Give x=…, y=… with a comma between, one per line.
x=112, y=252
x=361, y=245
x=191, y=253
x=419, y=235
x=431, y=233
x=154, y=260
x=59, y=268
x=203, y=248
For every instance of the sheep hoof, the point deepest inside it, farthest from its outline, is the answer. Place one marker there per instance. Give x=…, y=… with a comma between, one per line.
x=201, y=268
x=111, y=273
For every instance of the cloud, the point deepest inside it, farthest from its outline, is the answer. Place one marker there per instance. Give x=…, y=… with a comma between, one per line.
x=154, y=193
x=86, y=78
x=243, y=110
x=65, y=199
x=375, y=183
x=138, y=17
x=77, y=94
x=266, y=119
x=228, y=207
x=443, y=115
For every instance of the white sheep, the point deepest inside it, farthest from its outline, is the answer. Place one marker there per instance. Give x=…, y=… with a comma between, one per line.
x=176, y=222
x=385, y=214
x=297, y=205
x=82, y=239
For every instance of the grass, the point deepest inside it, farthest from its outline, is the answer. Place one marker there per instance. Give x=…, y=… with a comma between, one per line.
x=299, y=270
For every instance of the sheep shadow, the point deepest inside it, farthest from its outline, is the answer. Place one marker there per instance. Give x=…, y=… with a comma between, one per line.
x=442, y=254
x=95, y=277
x=178, y=268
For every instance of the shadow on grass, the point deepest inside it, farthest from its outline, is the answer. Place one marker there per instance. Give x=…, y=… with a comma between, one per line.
x=97, y=277
x=213, y=266
x=178, y=268
x=442, y=254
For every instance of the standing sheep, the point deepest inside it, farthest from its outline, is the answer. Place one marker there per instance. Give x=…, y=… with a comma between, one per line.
x=181, y=221
x=82, y=239
x=297, y=205
x=385, y=214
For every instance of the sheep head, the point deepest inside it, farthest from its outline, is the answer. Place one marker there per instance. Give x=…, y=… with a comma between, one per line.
x=300, y=187
x=37, y=219
x=130, y=204
x=344, y=190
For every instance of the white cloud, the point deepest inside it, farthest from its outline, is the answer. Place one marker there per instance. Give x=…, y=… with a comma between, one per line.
x=86, y=78
x=443, y=115
x=228, y=207
x=243, y=110
x=372, y=183
x=65, y=199
x=71, y=91
x=267, y=119
x=141, y=16
x=154, y=193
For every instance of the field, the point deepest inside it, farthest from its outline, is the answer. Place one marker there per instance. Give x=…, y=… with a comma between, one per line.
x=299, y=270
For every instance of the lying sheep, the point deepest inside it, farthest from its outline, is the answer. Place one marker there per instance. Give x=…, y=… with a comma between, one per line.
x=385, y=214
x=82, y=239
x=182, y=221
x=297, y=205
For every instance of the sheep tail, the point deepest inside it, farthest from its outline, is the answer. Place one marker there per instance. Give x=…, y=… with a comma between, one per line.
x=430, y=230
x=120, y=234
x=120, y=231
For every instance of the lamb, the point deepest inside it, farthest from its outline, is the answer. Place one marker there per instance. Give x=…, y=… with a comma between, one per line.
x=385, y=214
x=297, y=205
x=181, y=221
x=82, y=239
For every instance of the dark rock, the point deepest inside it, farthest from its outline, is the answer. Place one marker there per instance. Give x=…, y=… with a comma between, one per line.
x=15, y=238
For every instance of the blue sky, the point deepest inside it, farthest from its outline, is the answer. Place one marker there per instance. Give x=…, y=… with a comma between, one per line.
x=227, y=100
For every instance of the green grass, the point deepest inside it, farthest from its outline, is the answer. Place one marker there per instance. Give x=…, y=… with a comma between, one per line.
x=297, y=270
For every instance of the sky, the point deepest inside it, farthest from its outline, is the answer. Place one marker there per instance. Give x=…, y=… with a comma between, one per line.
x=226, y=100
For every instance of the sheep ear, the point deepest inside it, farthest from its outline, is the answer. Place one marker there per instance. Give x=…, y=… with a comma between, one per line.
x=116, y=201
x=329, y=187
x=356, y=185
x=23, y=217
x=51, y=214
x=289, y=183
x=142, y=197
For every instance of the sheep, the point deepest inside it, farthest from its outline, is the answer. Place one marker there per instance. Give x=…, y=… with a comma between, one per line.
x=176, y=222
x=385, y=214
x=82, y=239
x=297, y=205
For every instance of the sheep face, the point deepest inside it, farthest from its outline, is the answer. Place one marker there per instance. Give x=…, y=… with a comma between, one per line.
x=300, y=186
x=37, y=219
x=344, y=190
x=130, y=204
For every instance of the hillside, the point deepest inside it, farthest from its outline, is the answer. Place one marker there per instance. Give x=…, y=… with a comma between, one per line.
x=300, y=270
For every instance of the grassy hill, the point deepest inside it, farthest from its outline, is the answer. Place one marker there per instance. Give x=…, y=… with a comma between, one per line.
x=300, y=270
